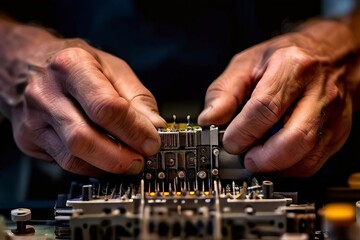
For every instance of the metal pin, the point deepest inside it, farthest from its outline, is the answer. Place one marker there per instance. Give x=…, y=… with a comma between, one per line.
x=174, y=124
x=188, y=121
x=175, y=183
x=120, y=190
x=113, y=193
x=98, y=192
x=106, y=189
x=233, y=188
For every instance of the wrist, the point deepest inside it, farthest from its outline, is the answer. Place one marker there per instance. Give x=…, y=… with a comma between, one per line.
x=21, y=42
x=334, y=36
x=19, y=48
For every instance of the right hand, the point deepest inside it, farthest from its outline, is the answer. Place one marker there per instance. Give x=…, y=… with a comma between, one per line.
x=297, y=79
x=85, y=109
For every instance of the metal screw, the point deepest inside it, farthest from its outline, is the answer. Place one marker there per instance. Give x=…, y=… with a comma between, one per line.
x=171, y=162
x=202, y=174
x=161, y=175
x=181, y=174
x=215, y=172
x=148, y=176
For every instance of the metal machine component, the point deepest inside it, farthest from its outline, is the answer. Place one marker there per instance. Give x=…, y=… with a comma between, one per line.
x=21, y=216
x=190, y=189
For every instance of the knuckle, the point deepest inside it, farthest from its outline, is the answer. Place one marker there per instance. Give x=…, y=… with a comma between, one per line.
x=237, y=57
x=307, y=138
x=33, y=93
x=269, y=109
x=78, y=142
x=247, y=136
x=68, y=163
x=335, y=92
x=109, y=111
x=302, y=61
x=69, y=57
x=64, y=58
x=76, y=42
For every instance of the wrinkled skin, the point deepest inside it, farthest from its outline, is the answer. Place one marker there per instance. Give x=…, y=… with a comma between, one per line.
x=83, y=108
x=87, y=110
x=295, y=80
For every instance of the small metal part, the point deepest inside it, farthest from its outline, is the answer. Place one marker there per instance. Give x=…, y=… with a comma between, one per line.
x=267, y=189
x=87, y=192
x=202, y=174
x=249, y=210
x=149, y=163
x=148, y=176
x=215, y=172
x=192, y=188
x=181, y=174
x=174, y=118
x=21, y=216
x=171, y=162
x=161, y=175
x=188, y=121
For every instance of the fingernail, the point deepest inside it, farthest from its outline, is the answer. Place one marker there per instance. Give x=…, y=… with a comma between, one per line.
x=150, y=146
x=135, y=167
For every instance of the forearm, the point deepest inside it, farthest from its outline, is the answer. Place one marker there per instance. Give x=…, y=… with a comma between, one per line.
x=353, y=76
x=19, y=46
x=21, y=42
x=339, y=41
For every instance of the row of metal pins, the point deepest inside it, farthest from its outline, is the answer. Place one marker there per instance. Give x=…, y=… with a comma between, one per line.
x=184, y=186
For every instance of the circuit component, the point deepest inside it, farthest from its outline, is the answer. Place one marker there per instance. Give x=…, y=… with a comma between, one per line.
x=188, y=190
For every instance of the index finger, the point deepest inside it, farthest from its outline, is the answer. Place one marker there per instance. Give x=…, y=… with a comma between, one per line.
x=274, y=93
x=105, y=107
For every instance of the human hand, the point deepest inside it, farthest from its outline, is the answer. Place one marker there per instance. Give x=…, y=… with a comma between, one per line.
x=299, y=78
x=82, y=107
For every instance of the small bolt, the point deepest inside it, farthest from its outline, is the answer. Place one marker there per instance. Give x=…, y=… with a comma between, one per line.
x=161, y=175
x=171, y=162
x=181, y=174
x=202, y=174
x=148, y=176
x=191, y=160
x=20, y=216
x=215, y=172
